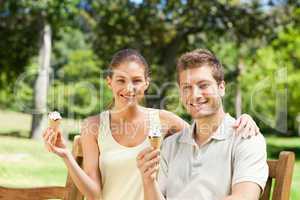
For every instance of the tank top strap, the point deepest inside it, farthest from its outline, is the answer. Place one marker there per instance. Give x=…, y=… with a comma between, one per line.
x=104, y=129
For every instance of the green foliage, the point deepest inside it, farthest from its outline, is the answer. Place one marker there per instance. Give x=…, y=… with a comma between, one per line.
x=161, y=31
x=275, y=72
x=77, y=88
x=87, y=33
x=21, y=25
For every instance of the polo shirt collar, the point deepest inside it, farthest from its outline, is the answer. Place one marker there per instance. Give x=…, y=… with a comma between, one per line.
x=222, y=132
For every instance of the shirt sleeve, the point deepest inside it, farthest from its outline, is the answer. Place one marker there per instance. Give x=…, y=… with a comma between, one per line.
x=250, y=161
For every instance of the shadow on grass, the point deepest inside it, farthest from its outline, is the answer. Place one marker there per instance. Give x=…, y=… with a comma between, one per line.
x=17, y=134
x=274, y=150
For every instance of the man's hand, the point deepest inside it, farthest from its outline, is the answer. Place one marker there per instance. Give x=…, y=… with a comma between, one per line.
x=148, y=164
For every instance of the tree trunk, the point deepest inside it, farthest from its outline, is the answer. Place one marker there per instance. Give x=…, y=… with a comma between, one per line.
x=281, y=102
x=238, y=97
x=39, y=117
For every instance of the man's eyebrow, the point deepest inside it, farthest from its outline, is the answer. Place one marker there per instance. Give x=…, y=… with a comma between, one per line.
x=120, y=76
x=203, y=81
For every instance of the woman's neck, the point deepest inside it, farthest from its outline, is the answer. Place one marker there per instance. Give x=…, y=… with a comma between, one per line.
x=128, y=113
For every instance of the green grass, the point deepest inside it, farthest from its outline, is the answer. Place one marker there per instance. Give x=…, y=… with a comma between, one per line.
x=277, y=144
x=26, y=163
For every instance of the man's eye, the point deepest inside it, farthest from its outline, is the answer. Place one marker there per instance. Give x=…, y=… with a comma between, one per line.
x=120, y=81
x=203, y=86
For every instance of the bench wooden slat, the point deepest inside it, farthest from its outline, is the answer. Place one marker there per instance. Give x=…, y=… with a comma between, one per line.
x=272, y=168
x=37, y=193
x=284, y=173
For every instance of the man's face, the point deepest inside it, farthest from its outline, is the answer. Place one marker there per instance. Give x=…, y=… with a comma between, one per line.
x=200, y=93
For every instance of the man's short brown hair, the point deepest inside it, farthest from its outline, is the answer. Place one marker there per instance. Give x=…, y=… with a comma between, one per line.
x=199, y=58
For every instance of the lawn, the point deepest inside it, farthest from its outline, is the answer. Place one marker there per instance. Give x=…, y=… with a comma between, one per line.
x=26, y=163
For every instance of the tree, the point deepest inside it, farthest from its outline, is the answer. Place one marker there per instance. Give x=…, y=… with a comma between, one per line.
x=275, y=70
x=163, y=30
x=41, y=16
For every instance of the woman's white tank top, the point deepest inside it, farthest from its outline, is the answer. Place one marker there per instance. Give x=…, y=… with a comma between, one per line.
x=120, y=176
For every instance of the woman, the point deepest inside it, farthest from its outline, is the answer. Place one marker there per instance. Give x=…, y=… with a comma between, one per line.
x=112, y=140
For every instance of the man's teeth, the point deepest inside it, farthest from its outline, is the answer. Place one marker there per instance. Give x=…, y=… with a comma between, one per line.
x=198, y=104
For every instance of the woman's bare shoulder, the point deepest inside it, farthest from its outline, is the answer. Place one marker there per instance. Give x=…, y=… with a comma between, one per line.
x=90, y=126
x=170, y=117
x=171, y=121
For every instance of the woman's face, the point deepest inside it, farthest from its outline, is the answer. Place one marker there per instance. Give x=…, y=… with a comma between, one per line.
x=128, y=84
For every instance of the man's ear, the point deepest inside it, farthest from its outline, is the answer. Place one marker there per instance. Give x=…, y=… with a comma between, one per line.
x=147, y=83
x=221, y=88
x=108, y=81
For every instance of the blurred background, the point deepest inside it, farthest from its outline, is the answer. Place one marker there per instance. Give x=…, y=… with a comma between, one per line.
x=54, y=55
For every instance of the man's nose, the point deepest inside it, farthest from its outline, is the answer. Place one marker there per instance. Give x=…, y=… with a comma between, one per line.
x=197, y=92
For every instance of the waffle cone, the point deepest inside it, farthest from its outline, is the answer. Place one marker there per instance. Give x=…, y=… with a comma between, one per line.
x=155, y=141
x=54, y=124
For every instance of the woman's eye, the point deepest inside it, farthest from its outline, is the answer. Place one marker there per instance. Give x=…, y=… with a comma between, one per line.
x=137, y=81
x=120, y=81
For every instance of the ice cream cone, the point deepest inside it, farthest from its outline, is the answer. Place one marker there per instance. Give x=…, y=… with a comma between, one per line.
x=155, y=141
x=54, y=122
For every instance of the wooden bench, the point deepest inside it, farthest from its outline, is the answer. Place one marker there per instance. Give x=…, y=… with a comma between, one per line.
x=280, y=172
x=69, y=192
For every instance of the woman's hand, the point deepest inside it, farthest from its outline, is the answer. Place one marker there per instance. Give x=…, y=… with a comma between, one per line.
x=246, y=127
x=55, y=142
x=148, y=164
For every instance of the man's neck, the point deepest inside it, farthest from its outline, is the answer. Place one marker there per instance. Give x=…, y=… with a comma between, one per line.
x=206, y=126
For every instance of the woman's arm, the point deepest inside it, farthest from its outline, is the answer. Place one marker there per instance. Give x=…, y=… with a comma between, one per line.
x=171, y=123
x=88, y=179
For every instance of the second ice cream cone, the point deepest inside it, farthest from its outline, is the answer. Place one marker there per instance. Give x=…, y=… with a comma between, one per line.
x=155, y=141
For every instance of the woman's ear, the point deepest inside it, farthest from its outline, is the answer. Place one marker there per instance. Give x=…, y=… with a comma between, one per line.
x=108, y=81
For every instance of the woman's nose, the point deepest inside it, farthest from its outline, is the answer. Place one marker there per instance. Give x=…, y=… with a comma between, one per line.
x=130, y=87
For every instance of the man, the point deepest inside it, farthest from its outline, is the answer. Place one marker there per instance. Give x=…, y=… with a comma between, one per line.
x=206, y=161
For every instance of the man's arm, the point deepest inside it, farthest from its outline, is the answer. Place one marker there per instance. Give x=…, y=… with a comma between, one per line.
x=250, y=169
x=244, y=191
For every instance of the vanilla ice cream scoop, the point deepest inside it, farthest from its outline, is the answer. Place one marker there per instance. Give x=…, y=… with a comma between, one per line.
x=54, y=119
x=54, y=116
